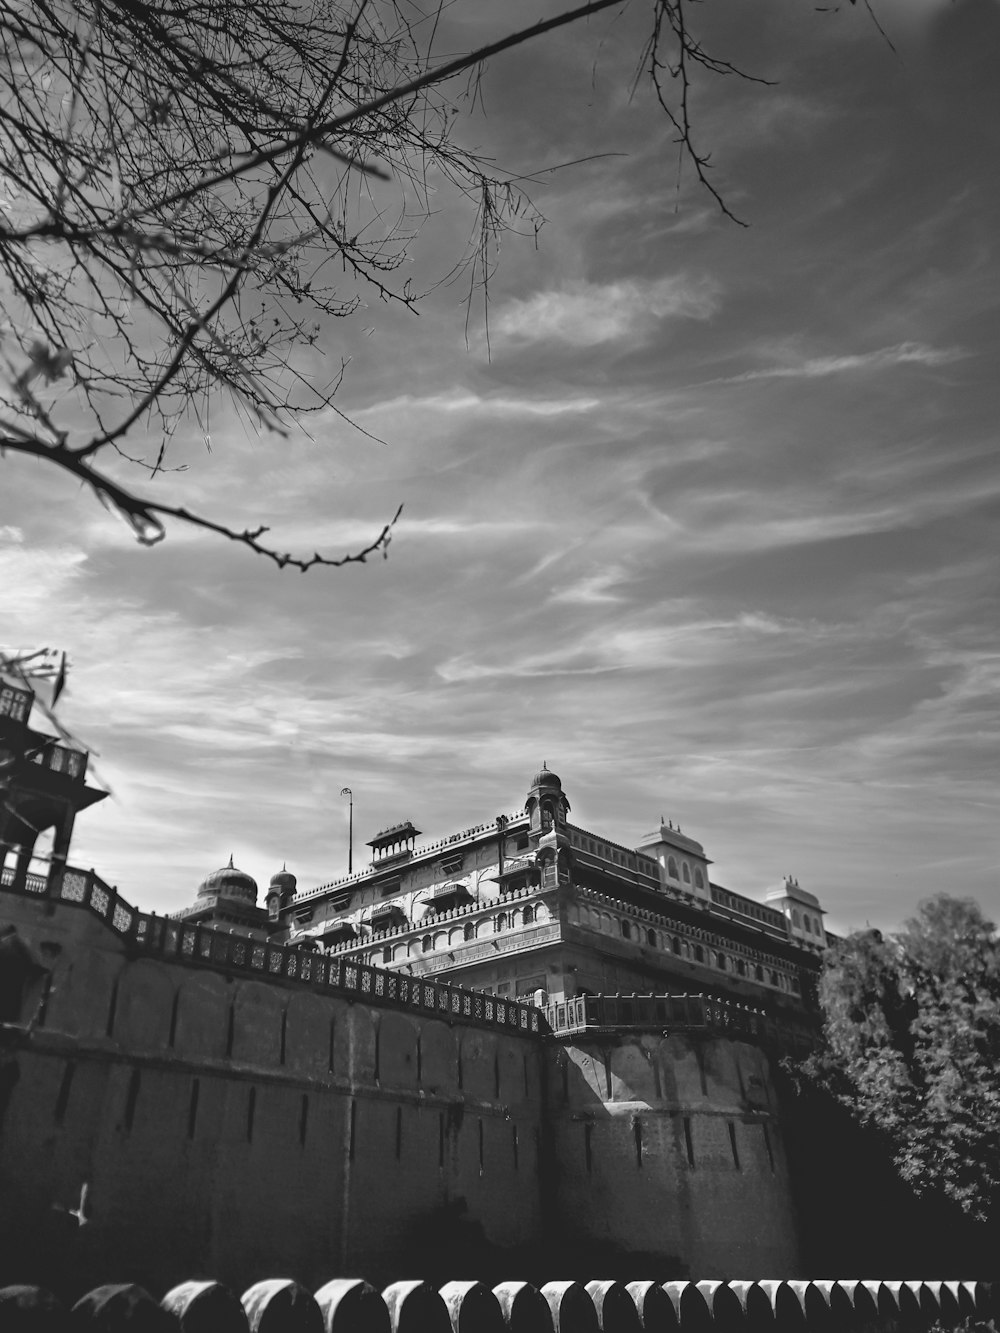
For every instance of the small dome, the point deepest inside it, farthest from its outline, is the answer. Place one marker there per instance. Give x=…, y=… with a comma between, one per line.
x=545, y=778
x=283, y=880
x=229, y=883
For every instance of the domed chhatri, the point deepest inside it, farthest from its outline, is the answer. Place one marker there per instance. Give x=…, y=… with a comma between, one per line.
x=545, y=777
x=283, y=880
x=229, y=882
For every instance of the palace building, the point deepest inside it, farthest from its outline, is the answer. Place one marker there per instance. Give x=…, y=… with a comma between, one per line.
x=531, y=905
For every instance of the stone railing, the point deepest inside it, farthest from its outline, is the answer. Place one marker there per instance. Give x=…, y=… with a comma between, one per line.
x=208, y=946
x=370, y=871
x=33, y=883
x=614, y=1013
x=700, y=934
x=347, y=1305
x=428, y=924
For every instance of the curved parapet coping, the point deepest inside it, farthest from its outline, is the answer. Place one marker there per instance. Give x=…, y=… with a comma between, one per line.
x=205, y=1307
x=690, y=1306
x=814, y=1301
x=571, y=1308
x=788, y=1303
x=415, y=1307
x=906, y=1301
x=25, y=1309
x=281, y=1306
x=523, y=1307
x=949, y=1311
x=723, y=1306
x=754, y=1303
x=928, y=1298
x=837, y=1303
x=472, y=1308
x=654, y=1307
x=886, y=1304
x=966, y=1296
x=863, y=1301
x=351, y=1305
x=123, y=1307
x=614, y=1307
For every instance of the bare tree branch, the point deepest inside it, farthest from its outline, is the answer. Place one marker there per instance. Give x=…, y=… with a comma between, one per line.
x=176, y=180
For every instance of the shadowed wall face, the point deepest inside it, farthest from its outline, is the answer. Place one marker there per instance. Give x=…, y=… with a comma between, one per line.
x=671, y=1147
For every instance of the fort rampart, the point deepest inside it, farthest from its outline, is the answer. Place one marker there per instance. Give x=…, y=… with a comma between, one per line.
x=177, y=1100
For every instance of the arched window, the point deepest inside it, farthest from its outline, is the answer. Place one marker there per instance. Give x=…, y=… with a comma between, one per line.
x=758, y=973
x=795, y=918
x=529, y=915
x=671, y=867
x=699, y=878
x=699, y=954
x=468, y=931
x=741, y=967
x=675, y=944
x=425, y=944
x=773, y=977
x=626, y=931
x=720, y=961
x=500, y=923
x=687, y=873
x=651, y=938
x=387, y=954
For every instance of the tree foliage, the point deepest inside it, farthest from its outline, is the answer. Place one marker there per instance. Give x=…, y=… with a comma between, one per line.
x=189, y=190
x=911, y=1044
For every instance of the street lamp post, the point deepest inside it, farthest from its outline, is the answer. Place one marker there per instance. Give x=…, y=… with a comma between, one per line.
x=346, y=791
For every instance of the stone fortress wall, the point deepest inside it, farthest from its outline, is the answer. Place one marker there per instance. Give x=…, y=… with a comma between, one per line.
x=167, y=1114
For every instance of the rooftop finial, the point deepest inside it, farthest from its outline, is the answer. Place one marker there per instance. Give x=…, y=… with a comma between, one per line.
x=231, y=866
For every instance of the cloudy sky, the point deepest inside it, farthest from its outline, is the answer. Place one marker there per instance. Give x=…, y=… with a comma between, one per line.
x=707, y=523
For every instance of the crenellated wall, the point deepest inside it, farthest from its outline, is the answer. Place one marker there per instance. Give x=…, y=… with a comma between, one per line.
x=164, y=1118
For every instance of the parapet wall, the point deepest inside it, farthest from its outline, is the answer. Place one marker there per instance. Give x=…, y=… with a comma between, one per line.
x=350, y=1305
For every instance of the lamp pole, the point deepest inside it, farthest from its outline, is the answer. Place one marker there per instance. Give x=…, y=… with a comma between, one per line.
x=346, y=791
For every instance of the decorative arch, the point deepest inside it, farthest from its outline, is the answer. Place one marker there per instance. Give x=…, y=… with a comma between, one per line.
x=686, y=872
x=672, y=867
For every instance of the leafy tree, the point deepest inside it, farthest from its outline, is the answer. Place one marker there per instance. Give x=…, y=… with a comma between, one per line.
x=188, y=190
x=911, y=1040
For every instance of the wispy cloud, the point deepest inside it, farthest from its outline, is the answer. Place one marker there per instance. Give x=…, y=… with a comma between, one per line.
x=586, y=314
x=883, y=358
